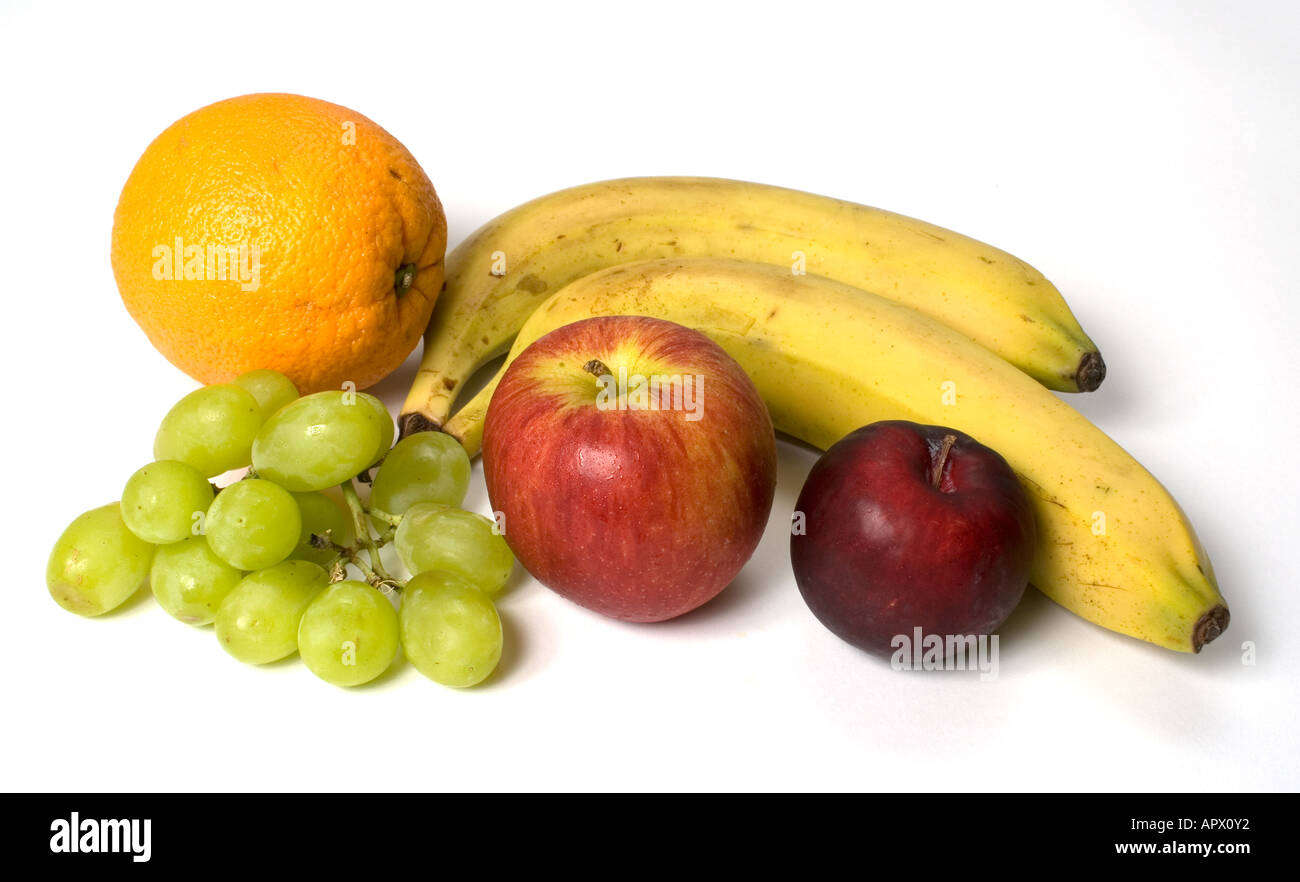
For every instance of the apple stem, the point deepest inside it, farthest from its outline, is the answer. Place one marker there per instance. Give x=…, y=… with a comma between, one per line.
x=596, y=368
x=936, y=477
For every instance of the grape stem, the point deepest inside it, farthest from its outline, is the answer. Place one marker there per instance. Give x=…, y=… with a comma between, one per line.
x=338, y=568
x=386, y=584
x=375, y=573
x=391, y=520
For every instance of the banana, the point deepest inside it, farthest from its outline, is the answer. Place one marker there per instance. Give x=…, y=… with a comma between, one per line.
x=497, y=277
x=1114, y=547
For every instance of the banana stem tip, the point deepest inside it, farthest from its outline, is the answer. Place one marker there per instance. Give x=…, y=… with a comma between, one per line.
x=1091, y=371
x=411, y=423
x=1209, y=626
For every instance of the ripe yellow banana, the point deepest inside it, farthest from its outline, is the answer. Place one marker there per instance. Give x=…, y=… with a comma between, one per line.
x=498, y=276
x=1114, y=546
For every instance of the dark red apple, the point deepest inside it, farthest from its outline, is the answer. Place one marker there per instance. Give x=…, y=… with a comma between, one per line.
x=634, y=463
x=908, y=526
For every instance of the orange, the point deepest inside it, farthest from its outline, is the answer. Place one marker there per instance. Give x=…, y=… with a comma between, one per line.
x=278, y=231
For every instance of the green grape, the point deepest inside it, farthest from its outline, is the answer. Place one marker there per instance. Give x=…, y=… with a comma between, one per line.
x=321, y=514
x=211, y=429
x=318, y=441
x=386, y=427
x=272, y=389
x=160, y=501
x=190, y=581
x=97, y=563
x=253, y=524
x=439, y=537
x=424, y=467
x=349, y=634
x=450, y=630
x=257, y=623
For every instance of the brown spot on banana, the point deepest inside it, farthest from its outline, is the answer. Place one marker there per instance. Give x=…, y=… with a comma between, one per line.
x=533, y=284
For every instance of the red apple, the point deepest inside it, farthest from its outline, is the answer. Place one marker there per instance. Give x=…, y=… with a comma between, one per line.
x=908, y=526
x=637, y=505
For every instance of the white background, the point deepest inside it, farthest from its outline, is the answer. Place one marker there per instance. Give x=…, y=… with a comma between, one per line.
x=1142, y=155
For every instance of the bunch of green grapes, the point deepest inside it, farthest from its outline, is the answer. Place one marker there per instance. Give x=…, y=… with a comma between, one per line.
x=266, y=560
